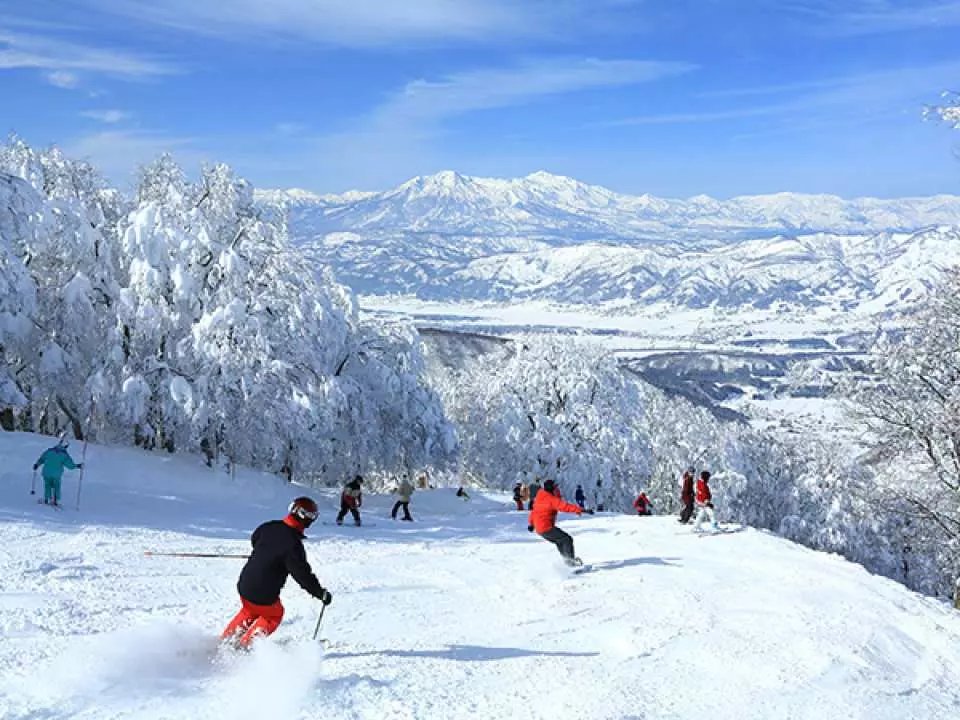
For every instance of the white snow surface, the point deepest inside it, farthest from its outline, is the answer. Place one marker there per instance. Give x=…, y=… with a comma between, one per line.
x=462, y=614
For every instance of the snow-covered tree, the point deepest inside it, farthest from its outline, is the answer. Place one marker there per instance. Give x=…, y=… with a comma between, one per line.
x=911, y=416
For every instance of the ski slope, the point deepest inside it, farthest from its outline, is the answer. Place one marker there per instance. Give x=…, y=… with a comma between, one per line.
x=462, y=614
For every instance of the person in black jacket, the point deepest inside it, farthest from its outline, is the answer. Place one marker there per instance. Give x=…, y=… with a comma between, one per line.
x=277, y=552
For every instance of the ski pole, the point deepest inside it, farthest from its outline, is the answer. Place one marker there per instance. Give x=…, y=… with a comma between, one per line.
x=33, y=483
x=316, y=630
x=83, y=466
x=151, y=553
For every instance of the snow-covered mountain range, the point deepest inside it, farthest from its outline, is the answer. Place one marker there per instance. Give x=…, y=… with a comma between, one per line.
x=547, y=237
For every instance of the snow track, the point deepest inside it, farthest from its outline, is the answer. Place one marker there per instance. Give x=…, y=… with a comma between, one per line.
x=462, y=614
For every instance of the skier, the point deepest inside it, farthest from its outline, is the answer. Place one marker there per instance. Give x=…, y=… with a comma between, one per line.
x=461, y=493
x=518, y=495
x=686, y=495
x=543, y=519
x=277, y=552
x=705, y=503
x=54, y=460
x=350, y=500
x=534, y=489
x=642, y=504
x=404, y=492
x=580, y=496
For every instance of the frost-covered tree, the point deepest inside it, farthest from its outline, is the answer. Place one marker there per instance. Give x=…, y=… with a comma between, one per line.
x=911, y=415
x=69, y=256
x=551, y=408
x=182, y=319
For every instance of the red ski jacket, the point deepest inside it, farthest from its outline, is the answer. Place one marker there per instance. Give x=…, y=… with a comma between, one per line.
x=543, y=517
x=642, y=503
x=703, y=492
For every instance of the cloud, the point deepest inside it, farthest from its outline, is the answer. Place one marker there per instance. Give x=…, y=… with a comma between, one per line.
x=110, y=117
x=63, y=79
x=865, y=96
x=874, y=17
x=62, y=58
x=373, y=23
x=396, y=140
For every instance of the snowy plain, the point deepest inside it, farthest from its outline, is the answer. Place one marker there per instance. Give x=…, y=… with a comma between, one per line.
x=461, y=614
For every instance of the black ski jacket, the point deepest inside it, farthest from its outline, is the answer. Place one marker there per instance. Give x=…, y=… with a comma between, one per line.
x=277, y=552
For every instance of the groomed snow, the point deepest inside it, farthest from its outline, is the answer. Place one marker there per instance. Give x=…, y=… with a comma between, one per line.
x=462, y=614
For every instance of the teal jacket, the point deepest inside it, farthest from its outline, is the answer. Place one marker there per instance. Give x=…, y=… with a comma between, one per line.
x=54, y=461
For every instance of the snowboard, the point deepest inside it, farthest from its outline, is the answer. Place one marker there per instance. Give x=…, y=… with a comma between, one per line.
x=586, y=567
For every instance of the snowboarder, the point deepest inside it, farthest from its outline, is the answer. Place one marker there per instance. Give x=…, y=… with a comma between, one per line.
x=277, y=552
x=534, y=489
x=705, y=503
x=54, y=461
x=404, y=491
x=642, y=504
x=686, y=495
x=543, y=518
x=518, y=495
x=580, y=496
x=350, y=500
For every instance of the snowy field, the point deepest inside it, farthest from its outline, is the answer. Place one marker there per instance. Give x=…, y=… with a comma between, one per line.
x=462, y=614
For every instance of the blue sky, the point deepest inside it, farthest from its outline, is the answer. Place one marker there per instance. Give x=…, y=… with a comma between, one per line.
x=671, y=97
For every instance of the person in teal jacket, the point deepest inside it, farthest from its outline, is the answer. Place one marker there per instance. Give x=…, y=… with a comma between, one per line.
x=54, y=461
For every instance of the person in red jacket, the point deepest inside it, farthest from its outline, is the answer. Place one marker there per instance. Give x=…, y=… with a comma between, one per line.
x=277, y=552
x=686, y=496
x=642, y=504
x=704, y=502
x=543, y=519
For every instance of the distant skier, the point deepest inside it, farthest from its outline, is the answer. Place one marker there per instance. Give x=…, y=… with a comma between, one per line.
x=543, y=519
x=580, y=496
x=705, y=503
x=686, y=495
x=404, y=492
x=277, y=552
x=534, y=489
x=350, y=500
x=600, y=504
x=461, y=493
x=518, y=495
x=54, y=461
x=642, y=504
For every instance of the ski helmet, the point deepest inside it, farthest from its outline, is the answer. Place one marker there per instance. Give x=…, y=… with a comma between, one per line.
x=304, y=509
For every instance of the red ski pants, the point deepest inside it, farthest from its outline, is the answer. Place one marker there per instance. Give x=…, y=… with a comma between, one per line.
x=253, y=621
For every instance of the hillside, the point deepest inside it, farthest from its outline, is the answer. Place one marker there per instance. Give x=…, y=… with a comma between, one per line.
x=462, y=614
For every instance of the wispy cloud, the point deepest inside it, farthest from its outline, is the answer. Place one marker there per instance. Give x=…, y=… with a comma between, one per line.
x=63, y=79
x=398, y=136
x=373, y=23
x=61, y=58
x=875, y=17
x=901, y=90
x=109, y=117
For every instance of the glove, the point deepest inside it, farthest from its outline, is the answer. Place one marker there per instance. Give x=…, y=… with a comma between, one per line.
x=529, y=528
x=36, y=465
x=79, y=466
x=710, y=505
x=325, y=597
